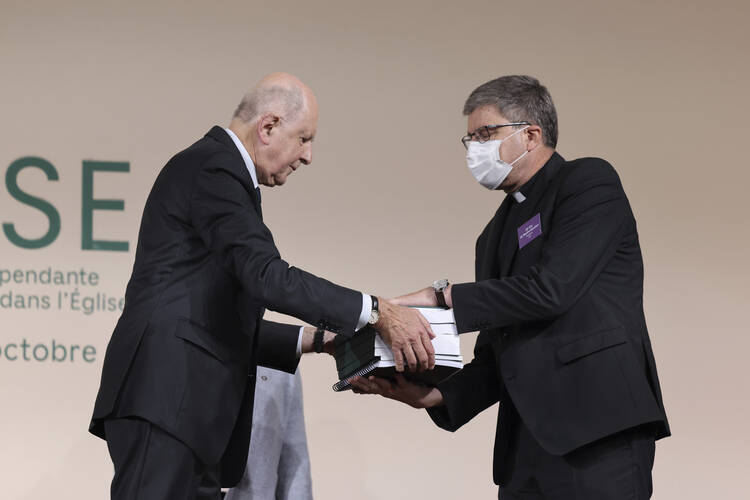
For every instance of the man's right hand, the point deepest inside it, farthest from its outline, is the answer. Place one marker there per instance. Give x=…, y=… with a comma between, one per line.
x=408, y=334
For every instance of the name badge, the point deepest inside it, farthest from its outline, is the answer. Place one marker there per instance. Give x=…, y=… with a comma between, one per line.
x=529, y=230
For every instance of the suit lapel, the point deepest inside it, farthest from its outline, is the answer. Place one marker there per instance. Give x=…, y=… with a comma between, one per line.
x=522, y=212
x=487, y=263
x=239, y=166
x=506, y=250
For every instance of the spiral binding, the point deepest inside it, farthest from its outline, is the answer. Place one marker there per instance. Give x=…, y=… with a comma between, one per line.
x=344, y=385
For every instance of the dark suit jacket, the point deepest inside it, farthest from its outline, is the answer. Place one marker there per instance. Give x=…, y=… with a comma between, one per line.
x=183, y=353
x=563, y=341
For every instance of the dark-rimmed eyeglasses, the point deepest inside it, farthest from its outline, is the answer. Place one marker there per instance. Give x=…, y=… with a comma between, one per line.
x=483, y=134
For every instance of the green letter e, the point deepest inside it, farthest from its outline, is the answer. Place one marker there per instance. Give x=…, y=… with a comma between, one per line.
x=89, y=204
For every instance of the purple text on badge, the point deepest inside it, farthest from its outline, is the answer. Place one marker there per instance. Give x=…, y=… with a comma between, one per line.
x=529, y=230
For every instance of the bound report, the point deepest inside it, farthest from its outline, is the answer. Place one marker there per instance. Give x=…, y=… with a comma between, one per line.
x=366, y=353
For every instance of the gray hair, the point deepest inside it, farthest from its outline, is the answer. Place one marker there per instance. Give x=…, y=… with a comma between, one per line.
x=286, y=101
x=519, y=98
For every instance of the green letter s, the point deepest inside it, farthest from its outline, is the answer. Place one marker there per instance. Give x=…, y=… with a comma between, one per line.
x=11, y=182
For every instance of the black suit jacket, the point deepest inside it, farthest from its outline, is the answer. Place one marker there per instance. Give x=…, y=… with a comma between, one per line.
x=184, y=351
x=563, y=341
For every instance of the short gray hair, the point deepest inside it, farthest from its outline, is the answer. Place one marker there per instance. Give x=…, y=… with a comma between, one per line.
x=519, y=98
x=286, y=101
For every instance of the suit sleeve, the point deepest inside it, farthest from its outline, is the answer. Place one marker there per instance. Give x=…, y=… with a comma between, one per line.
x=587, y=225
x=469, y=391
x=277, y=346
x=223, y=213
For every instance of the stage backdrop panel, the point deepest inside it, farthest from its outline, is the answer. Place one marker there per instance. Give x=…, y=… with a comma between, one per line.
x=96, y=96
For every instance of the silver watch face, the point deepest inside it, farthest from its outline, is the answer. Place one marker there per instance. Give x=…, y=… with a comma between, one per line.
x=374, y=317
x=440, y=285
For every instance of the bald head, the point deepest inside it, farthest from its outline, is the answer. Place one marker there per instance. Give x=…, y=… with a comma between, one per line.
x=276, y=122
x=279, y=94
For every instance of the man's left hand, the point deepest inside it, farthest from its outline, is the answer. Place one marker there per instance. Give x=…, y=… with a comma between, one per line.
x=415, y=395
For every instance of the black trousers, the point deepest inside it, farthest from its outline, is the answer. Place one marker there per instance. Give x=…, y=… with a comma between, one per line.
x=617, y=467
x=151, y=464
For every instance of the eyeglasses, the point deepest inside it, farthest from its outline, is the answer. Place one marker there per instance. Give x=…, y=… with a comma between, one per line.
x=483, y=134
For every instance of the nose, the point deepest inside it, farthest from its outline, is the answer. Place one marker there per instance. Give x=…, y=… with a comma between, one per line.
x=306, y=157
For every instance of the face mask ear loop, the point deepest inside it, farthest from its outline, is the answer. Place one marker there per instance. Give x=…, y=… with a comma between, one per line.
x=525, y=152
x=516, y=132
x=522, y=155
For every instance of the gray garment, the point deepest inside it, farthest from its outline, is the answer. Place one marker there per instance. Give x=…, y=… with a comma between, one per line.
x=278, y=464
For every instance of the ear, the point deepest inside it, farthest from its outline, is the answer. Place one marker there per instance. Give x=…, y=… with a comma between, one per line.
x=266, y=124
x=535, y=138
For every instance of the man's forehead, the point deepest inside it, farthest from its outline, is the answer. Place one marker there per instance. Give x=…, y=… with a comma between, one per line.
x=309, y=127
x=307, y=122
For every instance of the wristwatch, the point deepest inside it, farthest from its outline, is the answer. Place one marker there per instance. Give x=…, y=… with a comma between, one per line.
x=318, y=339
x=439, y=286
x=375, y=313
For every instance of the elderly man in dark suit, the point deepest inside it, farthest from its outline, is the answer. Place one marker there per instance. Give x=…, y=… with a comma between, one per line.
x=175, y=400
x=558, y=301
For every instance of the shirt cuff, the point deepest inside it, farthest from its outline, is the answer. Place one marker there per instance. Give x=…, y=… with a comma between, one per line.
x=299, y=342
x=364, y=316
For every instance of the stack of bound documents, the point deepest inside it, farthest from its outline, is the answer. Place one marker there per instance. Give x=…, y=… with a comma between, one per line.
x=366, y=353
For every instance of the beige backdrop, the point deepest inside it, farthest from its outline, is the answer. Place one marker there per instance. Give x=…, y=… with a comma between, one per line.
x=659, y=88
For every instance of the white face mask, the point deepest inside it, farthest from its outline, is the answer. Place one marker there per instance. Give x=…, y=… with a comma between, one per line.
x=483, y=160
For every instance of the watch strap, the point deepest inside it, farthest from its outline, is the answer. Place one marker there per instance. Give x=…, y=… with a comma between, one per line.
x=439, y=287
x=440, y=298
x=318, y=339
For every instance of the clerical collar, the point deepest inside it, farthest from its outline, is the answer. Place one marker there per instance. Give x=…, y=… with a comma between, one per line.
x=245, y=156
x=518, y=196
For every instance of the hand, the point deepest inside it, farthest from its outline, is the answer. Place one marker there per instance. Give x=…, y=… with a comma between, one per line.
x=415, y=395
x=408, y=334
x=423, y=298
x=329, y=345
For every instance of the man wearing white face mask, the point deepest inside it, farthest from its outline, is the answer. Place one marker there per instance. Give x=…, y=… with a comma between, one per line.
x=483, y=158
x=558, y=301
